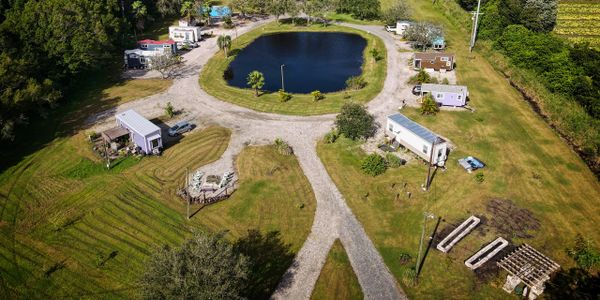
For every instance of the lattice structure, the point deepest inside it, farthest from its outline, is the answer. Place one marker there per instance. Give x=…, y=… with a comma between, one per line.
x=529, y=266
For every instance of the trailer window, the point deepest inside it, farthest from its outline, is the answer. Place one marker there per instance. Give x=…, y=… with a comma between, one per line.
x=425, y=149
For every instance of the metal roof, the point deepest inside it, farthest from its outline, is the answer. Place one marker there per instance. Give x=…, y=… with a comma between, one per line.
x=432, y=55
x=444, y=88
x=137, y=123
x=415, y=128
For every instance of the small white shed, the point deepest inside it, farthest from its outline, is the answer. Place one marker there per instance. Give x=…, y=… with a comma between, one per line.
x=143, y=133
x=417, y=139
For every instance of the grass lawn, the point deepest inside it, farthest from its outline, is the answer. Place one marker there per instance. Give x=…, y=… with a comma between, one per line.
x=527, y=163
x=62, y=213
x=337, y=279
x=158, y=30
x=211, y=78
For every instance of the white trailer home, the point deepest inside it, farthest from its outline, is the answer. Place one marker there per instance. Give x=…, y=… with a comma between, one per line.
x=401, y=27
x=185, y=32
x=417, y=139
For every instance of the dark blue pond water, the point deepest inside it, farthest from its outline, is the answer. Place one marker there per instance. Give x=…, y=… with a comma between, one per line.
x=313, y=61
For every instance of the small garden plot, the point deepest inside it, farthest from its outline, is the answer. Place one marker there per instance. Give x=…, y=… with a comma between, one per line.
x=486, y=253
x=458, y=233
x=511, y=220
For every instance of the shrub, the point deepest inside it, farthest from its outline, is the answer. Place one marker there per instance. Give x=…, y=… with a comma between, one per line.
x=356, y=83
x=445, y=81
x=586, y=256
x=283, y=147
x=376, y=54
x=421, y=77
x=399, y=11
x=317, y=95
x=429, y=106
x=284, y=96
x=404, y=258
x=354, y=121
x=393, y=161
x=227, y=22
x=479, y=177
x=169, y=110
x=331, y=137
x=373, y=165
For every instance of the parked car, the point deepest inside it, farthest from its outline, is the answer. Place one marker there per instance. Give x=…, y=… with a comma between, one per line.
x=471, y=163
x=179, y=128
x=187, y=44
x=416, y=90
x=390, y=28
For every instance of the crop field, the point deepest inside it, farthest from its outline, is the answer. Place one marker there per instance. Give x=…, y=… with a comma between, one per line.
x=578, y=21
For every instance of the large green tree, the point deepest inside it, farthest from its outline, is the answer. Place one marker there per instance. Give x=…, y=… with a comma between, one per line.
x=47, y=43
x=204, y=267
x=354, y=121
x=360, y=9
x=398, y=11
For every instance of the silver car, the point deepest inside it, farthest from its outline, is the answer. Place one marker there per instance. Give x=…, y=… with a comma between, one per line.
x=179, y=128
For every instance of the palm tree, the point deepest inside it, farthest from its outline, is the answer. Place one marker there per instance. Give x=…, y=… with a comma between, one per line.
x=139, y=14
x=256, y=80
x=224, y=43
x=429, y=106
x=188, y=10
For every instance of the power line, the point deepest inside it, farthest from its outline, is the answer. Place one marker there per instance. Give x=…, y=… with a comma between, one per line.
x=476, y=21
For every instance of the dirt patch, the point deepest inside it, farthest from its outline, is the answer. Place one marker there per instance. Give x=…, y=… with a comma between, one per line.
x=510, y=220
x=490, y=270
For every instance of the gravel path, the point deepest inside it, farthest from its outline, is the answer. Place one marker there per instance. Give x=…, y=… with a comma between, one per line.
x=333, y=218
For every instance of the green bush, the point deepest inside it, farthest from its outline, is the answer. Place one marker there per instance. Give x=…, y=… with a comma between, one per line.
x=479, y=177
x=445, y=81
x=376, y=54
x=169, y=110
x=373, y=165
x=284, y=96
x=317, y=95
x=584, y=254
x=421, y=77
x=354, y=121
x=356, y=83
x=393, y=161
x=331, y=137
x=283, y=147
x=429, y=106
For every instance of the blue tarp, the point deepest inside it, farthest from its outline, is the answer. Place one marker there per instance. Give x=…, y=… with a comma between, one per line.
x=219, y=11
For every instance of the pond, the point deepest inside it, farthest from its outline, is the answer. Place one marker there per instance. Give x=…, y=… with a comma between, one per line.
x=313, y=61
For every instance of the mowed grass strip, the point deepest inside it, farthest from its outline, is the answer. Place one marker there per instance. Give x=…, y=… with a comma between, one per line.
x=212, y=81
x=59, y=232
x=337, y=279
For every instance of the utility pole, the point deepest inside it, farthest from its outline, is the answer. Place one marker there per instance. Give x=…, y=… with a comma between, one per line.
x=476, y=22
x=187, y=185
x=427, y=182
x=282, y=83
x=426, y=215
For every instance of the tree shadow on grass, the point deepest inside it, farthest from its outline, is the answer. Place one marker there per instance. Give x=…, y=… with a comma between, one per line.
x=575, y=283
x=269, y=258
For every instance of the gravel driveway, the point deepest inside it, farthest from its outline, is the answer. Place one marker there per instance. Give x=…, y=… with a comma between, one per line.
x=333, y=217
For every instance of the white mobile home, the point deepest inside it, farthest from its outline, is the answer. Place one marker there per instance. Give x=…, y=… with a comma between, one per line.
x=417, y=139
x=401, y=27
x=446, y=94
x=185, y=33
